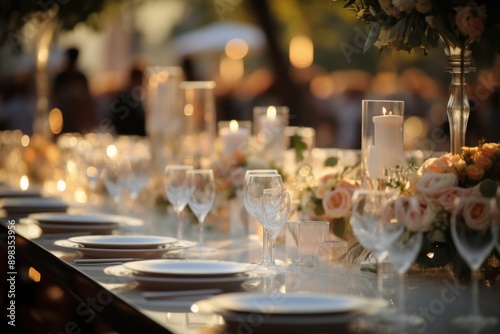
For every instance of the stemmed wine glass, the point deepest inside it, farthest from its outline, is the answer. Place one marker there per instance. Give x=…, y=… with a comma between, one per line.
x=402, y=253
x=114, y=180
x=472, y=229
x=372, y=221
x=138, y=169
x=275, y=212
x=177, y=191
x=201, y=185
x=253, y=190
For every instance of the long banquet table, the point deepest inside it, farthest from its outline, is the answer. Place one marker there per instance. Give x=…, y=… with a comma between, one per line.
x=70, y=298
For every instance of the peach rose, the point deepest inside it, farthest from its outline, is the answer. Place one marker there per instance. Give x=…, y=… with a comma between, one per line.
x=470, y=20
x=482, y=161
x=474, y=173
x=415, y=213
x=490, y=149
x=423, y=6
x=337, y=203
x=434, y=184
x=448, y=197
x=475, y=214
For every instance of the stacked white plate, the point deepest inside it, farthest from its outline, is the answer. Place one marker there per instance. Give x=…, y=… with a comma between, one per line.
x=77, y=223
x=23, y=206
x=290, y=313
x=8, y=192
x=185, y=274
x=123, y=246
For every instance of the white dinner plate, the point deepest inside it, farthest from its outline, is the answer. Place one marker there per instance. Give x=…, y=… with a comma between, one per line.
x=67, y=219
x=33, y=204
x=188, y=268
x=178, y=283
x=120, y=252
x=122, y=241
x=292, y=304
x=290, y=313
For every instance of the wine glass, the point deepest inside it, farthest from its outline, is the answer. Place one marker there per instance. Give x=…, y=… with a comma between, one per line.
x=177, y=191
x=201, y=184
x=138, y=169
x=472, y=230
x=275, y=212
x=373, y=224
x=253, y=189
x=114, y=180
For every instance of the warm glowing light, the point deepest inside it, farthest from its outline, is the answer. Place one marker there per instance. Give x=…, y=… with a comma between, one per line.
x=24, y=183
x=80, y=196
x=231, y=69
x=236, y=48
x=301, y=51
x=384, y=111
x=233, y=126
x=43, y=55
x=415, y=127
x=111, y=151
x=92, y=171
x=322, y=87
x=194, y=308
x=271, y=113
x=430, y=255
x=61, y=185
x=188, y=109
x=25, y=140
x=55, y=121
x=34, y=275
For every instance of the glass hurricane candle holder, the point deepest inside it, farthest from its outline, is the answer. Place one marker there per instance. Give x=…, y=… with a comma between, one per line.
x=381, y=138
x=270, y=123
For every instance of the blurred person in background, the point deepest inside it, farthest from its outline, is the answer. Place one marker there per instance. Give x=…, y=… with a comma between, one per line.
x=127, y=109
x=71, y=95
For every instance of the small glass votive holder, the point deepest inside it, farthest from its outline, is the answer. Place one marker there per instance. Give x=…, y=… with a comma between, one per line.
x=291, y=244
x=310, y=236
x=234, y=136
x=333, y=257
x=269, y=124
x=381, y=138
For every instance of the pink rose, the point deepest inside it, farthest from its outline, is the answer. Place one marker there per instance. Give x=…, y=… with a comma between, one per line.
x=415, y=213
x=470, y=20
x=337, y=203
x=474, y=173
x=434, y=184
x=476, y=212
x=448, y=197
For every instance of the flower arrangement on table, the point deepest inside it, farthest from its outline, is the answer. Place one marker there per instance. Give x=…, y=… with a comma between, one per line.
x=330, y=199
x=419, y=24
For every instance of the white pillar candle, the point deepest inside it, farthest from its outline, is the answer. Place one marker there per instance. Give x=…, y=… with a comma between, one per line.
x=387, y=150
x=234, y=138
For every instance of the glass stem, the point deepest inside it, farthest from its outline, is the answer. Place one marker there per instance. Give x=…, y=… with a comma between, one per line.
x=266, y=247
x=201, y=234
x=401, y=294
x=271, y=250
x=475, y=294
x=180, y=224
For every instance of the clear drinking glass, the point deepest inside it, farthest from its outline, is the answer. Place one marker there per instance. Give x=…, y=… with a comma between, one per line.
x=473, y=225
x=114, y=180
x=202, y=189
x=253, y=190
x=177, y=190
x=138, y=168
x=372, y=221
x=275, y=210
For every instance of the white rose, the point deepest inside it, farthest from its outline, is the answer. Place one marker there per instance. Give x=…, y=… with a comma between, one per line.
x=448, y=197
x=434, y=184
x=337, y=203
x=416, y=214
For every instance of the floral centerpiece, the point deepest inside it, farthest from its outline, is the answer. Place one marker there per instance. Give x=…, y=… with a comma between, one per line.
x=436, y=186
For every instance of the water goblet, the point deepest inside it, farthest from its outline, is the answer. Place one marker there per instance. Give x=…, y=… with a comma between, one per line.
x=138, y=170
x=275, y=212
x=472, y=230
x=114, y=180
x=372, y=221
x=253, y=189
x=201, y=185
x=177, y=191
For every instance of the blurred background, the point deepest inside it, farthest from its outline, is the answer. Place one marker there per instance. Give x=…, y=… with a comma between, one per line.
x=307, y=55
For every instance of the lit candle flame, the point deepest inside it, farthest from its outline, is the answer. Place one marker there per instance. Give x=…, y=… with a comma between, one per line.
x=233, y=126
x=111, y=151
x=24, y=183
x=271, y=113
x=386, y=112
